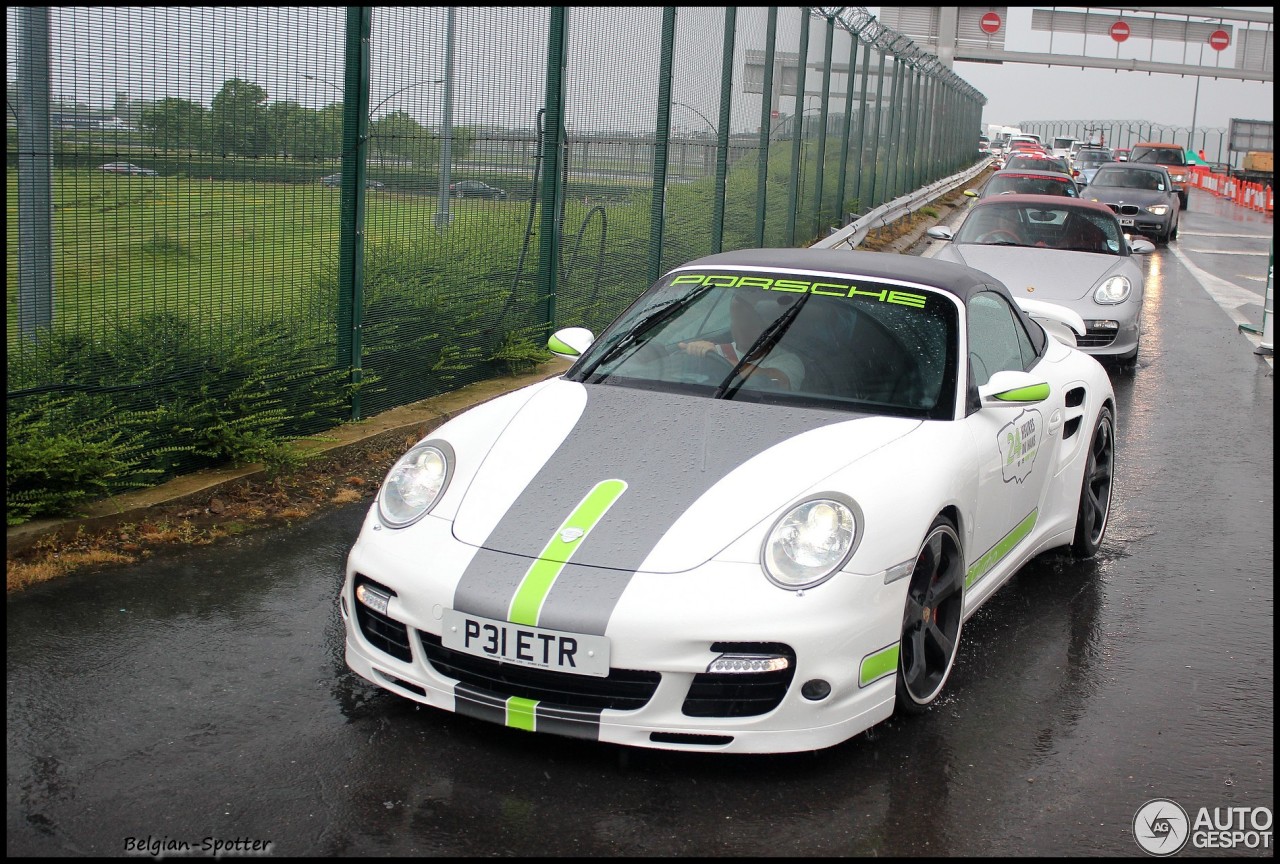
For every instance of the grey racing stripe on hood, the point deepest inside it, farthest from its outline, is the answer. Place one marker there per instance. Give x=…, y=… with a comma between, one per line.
x=669, y=449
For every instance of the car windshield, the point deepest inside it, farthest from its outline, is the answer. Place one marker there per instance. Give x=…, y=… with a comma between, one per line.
x=1093, y=156
x=1158, y=155
x=1004, y=184
x=785, y=338
x=1129, y=178
x=1071, y=228
x=1037, y=163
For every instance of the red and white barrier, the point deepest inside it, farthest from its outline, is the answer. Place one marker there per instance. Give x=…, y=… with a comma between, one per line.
x=1255, y=196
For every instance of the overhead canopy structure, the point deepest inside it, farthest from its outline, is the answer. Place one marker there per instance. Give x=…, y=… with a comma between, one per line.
x=979, y=34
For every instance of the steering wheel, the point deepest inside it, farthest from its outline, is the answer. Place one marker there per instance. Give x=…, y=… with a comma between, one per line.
x=711, y=367
x=1000, y=235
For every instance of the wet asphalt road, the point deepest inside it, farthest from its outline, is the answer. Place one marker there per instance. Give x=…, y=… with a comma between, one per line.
x=204, y=695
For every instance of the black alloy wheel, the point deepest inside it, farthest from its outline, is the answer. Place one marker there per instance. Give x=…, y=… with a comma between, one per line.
x=931, y=621
x=1095, y=489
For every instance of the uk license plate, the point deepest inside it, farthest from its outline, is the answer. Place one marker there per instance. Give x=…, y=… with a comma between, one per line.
x=1126, y=223
x=536, y=647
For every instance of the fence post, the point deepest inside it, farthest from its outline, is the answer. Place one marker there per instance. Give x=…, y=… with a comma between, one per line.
x=797, y=127
x=35, y=172
x=862, y=123
x=815, y=230
x=552, y=191
x=657, y=206
x=355, y=143
x=722, y=129
x=847, y=131
x=766, y=124
x=875, y=138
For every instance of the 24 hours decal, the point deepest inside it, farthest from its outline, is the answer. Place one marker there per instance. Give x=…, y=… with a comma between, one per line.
x=1019, y=442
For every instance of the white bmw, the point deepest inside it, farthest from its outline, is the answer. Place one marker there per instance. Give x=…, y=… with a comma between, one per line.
x=752, y=517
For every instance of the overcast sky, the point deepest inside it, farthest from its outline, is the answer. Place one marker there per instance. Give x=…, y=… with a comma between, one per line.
x=297, y=53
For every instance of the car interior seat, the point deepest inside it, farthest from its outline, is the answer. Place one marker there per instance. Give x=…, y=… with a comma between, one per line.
x=1082, y=235
x=820, y=336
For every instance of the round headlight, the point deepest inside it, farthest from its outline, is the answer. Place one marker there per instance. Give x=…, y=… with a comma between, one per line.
x=1114, y=290
x=810, y=542
x=414, y=484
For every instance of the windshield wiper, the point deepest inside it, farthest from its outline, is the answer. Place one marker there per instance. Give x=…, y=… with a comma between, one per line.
x=762, y=346
x=656, y=316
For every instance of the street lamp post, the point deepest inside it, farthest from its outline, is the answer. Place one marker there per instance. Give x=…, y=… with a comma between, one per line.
x=311, y=77
x=710, y=125
x=374, y=110
x=443, y=217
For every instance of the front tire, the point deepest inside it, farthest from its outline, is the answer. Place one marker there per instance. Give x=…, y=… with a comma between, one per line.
x=1095, y=488
x=931, y=621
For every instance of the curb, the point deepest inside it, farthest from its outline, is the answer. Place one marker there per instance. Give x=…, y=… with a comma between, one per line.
x=417, y=418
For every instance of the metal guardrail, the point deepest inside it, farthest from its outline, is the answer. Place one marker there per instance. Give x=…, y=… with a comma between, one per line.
x=855, y=232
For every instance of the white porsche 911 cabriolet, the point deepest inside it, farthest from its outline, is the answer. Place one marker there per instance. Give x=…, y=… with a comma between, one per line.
x=751, y=517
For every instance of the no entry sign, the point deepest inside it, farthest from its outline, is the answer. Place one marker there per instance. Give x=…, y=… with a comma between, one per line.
x=990, y=23
x=1120, y=31
x=1219, y=40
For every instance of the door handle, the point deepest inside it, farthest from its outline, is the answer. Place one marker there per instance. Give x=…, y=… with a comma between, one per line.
x=1055, y=422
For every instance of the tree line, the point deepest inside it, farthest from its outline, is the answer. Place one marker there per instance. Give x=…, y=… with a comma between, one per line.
x=241, y=122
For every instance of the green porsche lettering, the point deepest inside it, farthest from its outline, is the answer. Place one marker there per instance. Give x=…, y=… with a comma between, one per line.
x=800, y=286
x=792, y=286
x=855, y=291
x=721, y=280
x=820, y=288
x=902, y=298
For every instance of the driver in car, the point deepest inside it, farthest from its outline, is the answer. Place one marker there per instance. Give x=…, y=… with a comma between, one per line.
x=781, y=367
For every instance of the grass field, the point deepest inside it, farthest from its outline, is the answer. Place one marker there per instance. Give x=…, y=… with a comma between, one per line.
x=212, y=250
x=125, y=244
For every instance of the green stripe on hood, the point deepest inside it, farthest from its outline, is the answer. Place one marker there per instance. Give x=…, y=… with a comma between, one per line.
x=542, y=573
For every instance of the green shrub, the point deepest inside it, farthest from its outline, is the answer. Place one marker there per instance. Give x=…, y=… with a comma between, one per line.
x=56, y=460
x=157, y=397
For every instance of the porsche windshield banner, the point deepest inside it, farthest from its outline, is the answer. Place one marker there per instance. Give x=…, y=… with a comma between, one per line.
x=800, y=286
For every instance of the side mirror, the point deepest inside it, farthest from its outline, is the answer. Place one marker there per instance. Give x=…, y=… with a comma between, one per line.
x=969, y=193
x=1011, y=388
x=939, y=232
x=570, y=342
x=1140, y=245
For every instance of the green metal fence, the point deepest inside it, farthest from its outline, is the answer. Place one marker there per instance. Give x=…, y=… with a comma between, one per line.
x=232, y=226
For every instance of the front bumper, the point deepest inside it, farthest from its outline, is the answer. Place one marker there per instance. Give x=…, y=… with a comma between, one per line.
x=1134, y=219
x=663, y=634
x=1109, y=337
